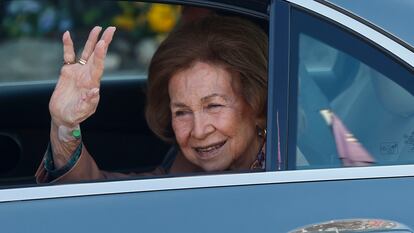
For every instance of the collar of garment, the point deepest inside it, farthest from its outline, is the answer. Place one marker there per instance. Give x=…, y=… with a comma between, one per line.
x=260, y=162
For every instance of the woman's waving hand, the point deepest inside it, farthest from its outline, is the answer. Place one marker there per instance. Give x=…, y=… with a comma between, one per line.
x=76, y=94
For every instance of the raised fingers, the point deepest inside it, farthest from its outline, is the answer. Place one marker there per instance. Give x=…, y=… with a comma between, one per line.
x=68, y=51
x=97, y=61
x=108, y=34
x=90, y=43
x=99, y=53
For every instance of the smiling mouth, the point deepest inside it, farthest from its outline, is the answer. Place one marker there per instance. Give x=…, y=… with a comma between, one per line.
x=210, y=150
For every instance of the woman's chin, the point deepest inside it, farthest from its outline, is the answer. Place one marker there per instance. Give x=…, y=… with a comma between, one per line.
x=217, y=164
x=213, y=167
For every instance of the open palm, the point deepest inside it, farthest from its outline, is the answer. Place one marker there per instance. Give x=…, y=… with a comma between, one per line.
x=76, y=95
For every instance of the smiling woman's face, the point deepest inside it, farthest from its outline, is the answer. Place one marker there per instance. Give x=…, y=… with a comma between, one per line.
x=213, y=125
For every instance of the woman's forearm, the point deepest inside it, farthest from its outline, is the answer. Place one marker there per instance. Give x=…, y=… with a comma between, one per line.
x=62, y=149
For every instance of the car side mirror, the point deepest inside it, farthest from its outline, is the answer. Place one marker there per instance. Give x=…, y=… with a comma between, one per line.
x=355, y=226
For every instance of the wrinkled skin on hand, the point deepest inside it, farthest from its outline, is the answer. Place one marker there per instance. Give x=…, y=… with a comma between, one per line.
x=76, y=95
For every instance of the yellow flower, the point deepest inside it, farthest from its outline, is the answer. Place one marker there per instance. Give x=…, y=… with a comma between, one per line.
x=162, y=18
x=126, y=22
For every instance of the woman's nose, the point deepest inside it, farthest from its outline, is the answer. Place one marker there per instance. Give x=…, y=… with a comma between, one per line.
x=202, y=126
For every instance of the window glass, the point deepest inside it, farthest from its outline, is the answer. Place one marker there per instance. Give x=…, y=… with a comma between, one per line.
x=355, y=104
x=31, y=31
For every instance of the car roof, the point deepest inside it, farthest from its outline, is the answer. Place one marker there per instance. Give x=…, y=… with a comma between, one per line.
x=256, y=5
x=394, y=17
x=256, y=8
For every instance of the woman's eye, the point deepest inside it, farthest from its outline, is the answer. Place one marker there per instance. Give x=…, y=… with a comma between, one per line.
x=180, y=113
x=211, y=106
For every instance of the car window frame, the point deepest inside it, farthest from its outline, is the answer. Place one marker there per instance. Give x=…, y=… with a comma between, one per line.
x=42, y=192
x=237, y=8
x=360, y=28
x=382, y=42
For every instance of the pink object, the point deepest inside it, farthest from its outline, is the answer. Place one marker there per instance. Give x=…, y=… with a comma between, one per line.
x=349, y=149
x=279, y=156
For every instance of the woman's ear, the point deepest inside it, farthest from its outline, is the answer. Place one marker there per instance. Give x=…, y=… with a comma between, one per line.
x=261, y=122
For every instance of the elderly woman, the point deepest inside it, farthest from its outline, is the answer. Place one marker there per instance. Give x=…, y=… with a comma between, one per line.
x=207, y=86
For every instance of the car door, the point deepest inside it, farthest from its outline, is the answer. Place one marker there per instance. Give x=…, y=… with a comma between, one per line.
x=365, y=81
x=299, y=187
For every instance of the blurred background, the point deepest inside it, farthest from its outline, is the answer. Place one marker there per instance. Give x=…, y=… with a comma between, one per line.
x=31, y=31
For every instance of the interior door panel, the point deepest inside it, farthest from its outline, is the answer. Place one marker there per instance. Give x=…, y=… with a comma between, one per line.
x=116, y=135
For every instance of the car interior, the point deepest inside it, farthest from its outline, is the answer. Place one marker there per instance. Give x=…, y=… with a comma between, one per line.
x=116, y=135
x=376, y=110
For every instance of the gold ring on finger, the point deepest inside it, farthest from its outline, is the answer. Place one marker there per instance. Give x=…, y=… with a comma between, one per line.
x=82, y=61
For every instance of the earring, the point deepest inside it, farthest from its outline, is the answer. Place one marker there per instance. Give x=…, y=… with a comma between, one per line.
x=261, y=132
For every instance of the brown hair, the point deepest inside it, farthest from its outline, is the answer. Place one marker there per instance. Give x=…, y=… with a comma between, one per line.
x=233, y=43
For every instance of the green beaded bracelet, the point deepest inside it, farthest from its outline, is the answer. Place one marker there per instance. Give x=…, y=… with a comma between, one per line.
x=76, y=133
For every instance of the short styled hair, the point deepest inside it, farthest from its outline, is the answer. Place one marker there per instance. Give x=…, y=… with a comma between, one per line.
x=236, y=44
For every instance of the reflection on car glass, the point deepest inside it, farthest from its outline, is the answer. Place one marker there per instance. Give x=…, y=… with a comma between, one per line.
x=374, y=112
